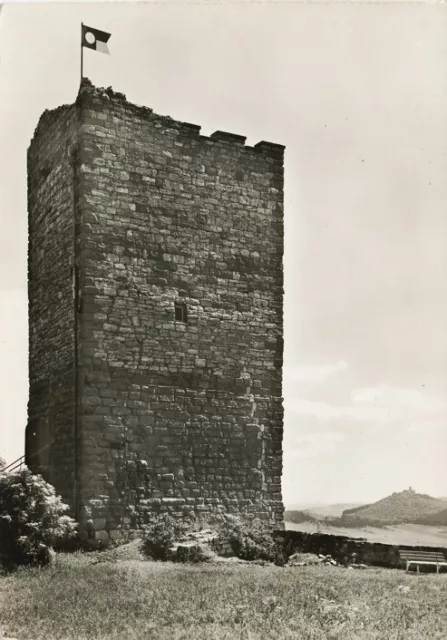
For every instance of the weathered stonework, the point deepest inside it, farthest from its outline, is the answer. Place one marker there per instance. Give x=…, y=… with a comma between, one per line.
x=155, y=313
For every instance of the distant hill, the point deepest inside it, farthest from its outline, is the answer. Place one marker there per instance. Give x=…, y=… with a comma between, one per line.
x=398, y=508
x=330, y=510
x=435, y=519
x=322, y=511
x=301, y=506
x=297, y=517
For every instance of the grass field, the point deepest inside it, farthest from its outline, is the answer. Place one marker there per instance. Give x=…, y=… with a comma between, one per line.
x=76, y=599
x=410, y=534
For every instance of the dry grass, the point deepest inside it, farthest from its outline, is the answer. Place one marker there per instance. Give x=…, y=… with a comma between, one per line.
x=128, y=599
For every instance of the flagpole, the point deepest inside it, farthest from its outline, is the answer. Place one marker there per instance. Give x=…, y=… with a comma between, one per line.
x=82, y=52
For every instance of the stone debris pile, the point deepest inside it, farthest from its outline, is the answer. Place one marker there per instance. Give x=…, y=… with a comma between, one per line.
x=197, y=546
x=306, y=559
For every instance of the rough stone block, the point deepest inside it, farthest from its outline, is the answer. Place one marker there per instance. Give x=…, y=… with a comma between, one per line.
x=101, y=536
x=99, y=523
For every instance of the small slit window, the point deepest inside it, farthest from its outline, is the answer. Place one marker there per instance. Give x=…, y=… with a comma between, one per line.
x=181, y=314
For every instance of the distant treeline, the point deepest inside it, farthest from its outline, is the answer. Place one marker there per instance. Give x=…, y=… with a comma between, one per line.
x=298, y=516
x=436, y=519
x=350, y=522
x=353, y=522
x=348, y=512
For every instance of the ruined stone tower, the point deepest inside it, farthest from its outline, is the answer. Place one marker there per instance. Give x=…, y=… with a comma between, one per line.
x=155, y=315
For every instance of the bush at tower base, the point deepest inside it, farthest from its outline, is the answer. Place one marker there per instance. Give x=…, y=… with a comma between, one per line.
x=32, y=520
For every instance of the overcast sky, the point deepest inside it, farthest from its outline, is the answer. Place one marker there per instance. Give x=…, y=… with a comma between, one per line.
x=358, y=94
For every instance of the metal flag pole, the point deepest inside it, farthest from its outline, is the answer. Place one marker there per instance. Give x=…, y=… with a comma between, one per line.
x=82, y=51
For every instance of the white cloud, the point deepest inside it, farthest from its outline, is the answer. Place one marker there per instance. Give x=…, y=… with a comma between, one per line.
x=316, y=444
x=326, y=411
x=381, y=405
x=313, y=373
x=398, y=399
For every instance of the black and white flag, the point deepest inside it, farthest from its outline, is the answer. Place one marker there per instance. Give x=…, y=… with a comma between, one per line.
x=95, y=39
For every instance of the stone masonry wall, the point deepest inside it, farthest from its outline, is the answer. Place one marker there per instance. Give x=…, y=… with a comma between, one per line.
x=176, y=413
x=348, y=550
x=180, y=416
x=50, y=295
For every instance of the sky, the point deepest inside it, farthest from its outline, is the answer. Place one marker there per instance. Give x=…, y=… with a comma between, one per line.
x=358, y=94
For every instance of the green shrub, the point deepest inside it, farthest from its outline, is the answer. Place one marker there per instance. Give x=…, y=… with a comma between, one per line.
x=32, y=520
x=160, y=534
x=193, y=553
x=249, y=540
x=252, y=540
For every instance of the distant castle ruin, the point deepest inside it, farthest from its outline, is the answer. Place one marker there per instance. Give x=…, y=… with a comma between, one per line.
x=155, y=315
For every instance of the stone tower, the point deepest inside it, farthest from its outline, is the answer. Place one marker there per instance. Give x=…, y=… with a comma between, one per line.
x=155, y=315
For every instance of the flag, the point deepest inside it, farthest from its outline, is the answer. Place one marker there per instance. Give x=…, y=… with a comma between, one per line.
x=95, y=39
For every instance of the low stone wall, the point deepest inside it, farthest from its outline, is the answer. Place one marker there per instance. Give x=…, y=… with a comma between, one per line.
x=222, y=547
x=348, y=550
x=194, y=545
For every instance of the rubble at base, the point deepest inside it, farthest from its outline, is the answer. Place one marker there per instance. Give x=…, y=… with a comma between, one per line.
x=307, y=559
x=208, y=546
x=200, y=546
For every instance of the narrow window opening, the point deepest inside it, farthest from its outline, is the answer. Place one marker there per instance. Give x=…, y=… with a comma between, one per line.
x=181, y=314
